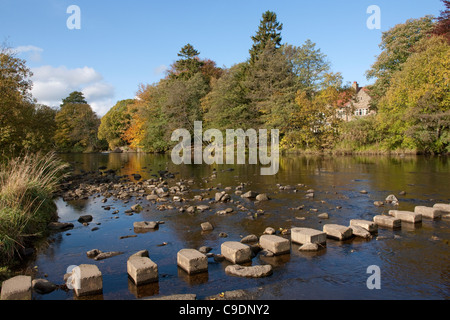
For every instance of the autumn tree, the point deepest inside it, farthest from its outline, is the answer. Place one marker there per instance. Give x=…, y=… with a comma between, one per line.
x=114, y=124
x=415, y=112
x=314, y=123
x=442, y=27
x=76, y=125
x=148, y=126
x=23, y=123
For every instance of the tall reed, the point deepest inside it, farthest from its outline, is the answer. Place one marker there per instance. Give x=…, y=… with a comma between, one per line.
x=27, y=184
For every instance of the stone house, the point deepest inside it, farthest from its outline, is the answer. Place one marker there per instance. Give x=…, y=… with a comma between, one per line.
x=358, y=106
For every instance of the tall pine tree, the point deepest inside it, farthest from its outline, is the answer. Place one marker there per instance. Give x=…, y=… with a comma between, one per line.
x=269, y=33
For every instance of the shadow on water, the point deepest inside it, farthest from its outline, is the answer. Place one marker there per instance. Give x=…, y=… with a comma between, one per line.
x=414, y=262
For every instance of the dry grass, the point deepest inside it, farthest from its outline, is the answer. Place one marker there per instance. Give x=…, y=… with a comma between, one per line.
x=27, y=184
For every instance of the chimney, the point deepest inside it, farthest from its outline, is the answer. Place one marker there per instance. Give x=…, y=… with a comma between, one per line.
x=355, y=86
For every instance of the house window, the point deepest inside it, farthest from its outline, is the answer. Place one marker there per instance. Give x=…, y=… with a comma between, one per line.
x=361, y=112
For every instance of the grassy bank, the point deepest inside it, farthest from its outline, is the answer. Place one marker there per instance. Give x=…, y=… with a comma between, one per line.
x=27, y=184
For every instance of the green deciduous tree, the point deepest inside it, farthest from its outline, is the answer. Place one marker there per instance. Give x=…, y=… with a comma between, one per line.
x=23, y=123
x=309, y=64
x=415, y=110
x=396, y=46
x=227, y=105
x=314, y=122
x=114, y=124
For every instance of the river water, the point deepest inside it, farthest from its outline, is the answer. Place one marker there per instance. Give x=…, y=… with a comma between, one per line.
x=414, y=262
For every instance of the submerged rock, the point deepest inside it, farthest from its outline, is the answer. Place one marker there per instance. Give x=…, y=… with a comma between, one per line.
x=249, y=272
x=60, y=226
x=309, y=247
x=43, y=286
x=85, y=218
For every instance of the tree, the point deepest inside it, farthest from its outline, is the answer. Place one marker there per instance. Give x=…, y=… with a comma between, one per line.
x=114, y=124
x=41, y=128
x=314, y=122
x=308, y=64
x=188, y=52
x=270, y=86
x=442, y=27
x=227, y=105
x=268, y=33
x=416, y=108
x=188, y=65
x=23, y=123
x=397, y=44
x=183, y=101
x=76, y=126
x=74, y=97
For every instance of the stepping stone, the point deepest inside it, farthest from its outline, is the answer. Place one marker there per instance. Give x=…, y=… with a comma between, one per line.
x=406, y=216
x=142, y=270
x=387, y=221
x=236, y=252
x=365, y=224
x=443, y=207
x=275, y=244
x=337, y=231
x=16, y=288
x=250, y=271
x=308, y=235
x=428, y=212
x=360, y=232
x=192, y=261
x=309, y=247
x=87, y=280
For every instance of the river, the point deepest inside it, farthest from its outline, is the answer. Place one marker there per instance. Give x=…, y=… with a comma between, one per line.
x=414, y=261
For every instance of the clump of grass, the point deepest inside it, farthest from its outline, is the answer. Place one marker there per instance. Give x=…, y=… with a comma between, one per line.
x=27, y=184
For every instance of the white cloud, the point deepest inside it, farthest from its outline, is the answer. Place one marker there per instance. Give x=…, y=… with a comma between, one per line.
x=32, y=52
x=99, y=94
x=52, y=84
x=159, y=70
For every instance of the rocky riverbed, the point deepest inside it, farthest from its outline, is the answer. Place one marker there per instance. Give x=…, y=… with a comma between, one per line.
x=164, y=213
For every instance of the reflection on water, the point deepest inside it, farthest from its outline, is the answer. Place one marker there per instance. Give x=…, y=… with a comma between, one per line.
x=414, y=261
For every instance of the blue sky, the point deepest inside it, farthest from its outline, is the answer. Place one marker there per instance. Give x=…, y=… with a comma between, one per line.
x=122, y=44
